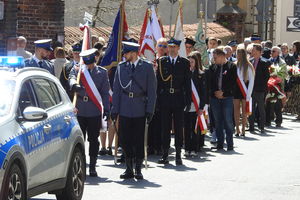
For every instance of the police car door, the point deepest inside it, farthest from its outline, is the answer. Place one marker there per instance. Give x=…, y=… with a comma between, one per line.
x=35, y=149
x=49, y=99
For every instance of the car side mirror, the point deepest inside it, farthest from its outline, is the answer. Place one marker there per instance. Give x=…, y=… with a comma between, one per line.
x=34, y=114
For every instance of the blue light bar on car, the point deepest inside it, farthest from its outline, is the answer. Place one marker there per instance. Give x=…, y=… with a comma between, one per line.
x=11, y=61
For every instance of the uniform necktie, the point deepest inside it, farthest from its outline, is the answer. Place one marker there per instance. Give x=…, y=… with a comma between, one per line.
x=173, y=62
x=132, y=68
x=41, y=64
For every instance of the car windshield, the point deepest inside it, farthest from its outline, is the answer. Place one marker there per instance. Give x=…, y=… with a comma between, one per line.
x=7, y=88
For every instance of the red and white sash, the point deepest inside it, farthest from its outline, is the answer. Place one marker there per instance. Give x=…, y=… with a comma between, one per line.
x=206, y=114
x=244, y=91
x=91, y=88
x=200, y=118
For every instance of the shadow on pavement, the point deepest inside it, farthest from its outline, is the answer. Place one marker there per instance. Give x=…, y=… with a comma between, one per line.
x=41, y=199
x=96, y=180
x=138, y=184
x=247, y=138
x=180, y=168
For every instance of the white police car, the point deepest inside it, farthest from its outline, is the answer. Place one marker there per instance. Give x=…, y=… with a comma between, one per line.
x=41, y=144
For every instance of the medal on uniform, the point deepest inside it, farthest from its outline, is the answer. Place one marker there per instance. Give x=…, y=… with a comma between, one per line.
x=85, y=98
x=172, y=90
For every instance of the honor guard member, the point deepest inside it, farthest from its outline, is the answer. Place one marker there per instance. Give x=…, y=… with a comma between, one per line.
x=39, y=59
x=174, y=94
x=133, y=101
x=89, y=115
x=64, y=77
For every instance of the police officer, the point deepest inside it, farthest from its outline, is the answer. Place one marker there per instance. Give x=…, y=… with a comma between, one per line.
x=64, y=77
x=133, y=101
x=39, y=59
x=174, y=94
x=89, y=114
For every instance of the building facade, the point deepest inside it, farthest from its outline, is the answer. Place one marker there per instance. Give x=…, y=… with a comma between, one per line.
x=32, y=19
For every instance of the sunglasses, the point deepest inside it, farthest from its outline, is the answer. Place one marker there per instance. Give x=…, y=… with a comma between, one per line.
x=162, y=45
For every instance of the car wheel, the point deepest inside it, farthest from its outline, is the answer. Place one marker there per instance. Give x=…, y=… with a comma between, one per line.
x=75, y=179
x=15, y=184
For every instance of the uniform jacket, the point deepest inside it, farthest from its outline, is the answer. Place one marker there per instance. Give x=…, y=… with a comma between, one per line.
x=144, y=85
x=229, y=76
x=100, y=78
x=181, y=82
x=262, y=75
x=45, y=65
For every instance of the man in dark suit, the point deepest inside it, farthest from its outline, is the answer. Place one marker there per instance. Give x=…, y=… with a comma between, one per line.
x=133, y=101
x=262, y=76
x=39, y=59
x=174, y=94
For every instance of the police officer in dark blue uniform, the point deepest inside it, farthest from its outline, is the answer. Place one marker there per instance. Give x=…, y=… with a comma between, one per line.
x=89, y=115
x=39, y=59
x=174, y=94
x=133, y=101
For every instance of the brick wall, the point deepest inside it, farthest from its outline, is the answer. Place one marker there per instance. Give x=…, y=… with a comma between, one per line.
x=8, y=24
x=40, y=20
x=32, y=19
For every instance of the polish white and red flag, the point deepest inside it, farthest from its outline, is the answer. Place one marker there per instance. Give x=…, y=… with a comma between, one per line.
x=200, y=122
x=151, y=32
x=85, y=76
x=244, y=91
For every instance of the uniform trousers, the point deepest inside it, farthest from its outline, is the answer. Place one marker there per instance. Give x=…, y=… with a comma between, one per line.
x=166, y=124
x=91, y=126
x=132, y=133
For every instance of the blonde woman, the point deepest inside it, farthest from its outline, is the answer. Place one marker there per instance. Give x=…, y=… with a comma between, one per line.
x=243, y=91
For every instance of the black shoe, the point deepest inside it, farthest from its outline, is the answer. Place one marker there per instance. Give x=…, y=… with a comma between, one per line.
x=92, y=171
x=129, y=169
x=278, y=126
x=127, y=175
x=229, y=148
x=164, y=159
x=138, y=170
x=243, y=135
x=102, y=151
x=262, y=131
x=109, y=151
x=218, y=147
x=236, y=135
x=121, y=159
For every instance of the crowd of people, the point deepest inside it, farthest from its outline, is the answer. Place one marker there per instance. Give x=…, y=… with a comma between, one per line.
x=244, y=87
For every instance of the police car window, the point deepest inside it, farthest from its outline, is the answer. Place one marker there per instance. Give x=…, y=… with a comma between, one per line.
x=26, y=97
x=44, y=93
x=7, y=88
x=55, y=92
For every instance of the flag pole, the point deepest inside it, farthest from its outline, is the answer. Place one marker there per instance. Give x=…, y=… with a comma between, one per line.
x=119, y=58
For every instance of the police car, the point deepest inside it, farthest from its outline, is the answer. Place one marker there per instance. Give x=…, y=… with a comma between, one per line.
x=41, y=143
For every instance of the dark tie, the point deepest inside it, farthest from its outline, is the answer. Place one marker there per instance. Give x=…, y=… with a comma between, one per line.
x=90, y=71
x=132, y=68
x=41, y=64
x=173, y=62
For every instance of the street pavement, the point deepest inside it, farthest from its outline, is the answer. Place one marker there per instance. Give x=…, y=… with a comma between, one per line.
x=262, y=167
